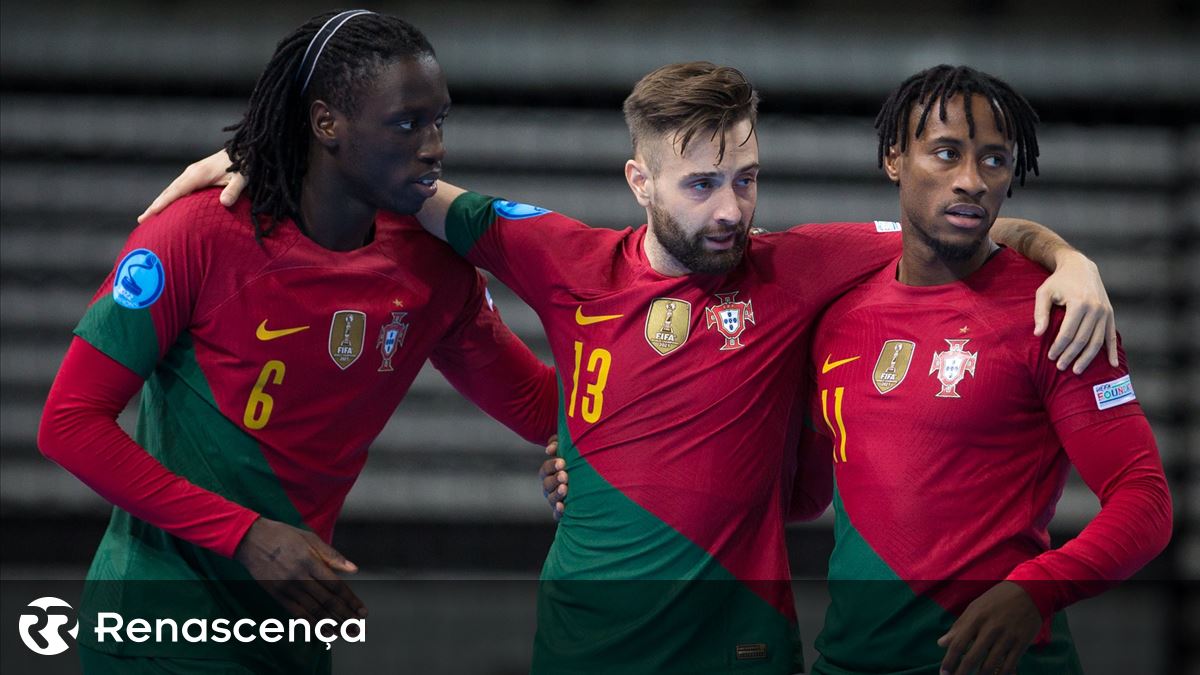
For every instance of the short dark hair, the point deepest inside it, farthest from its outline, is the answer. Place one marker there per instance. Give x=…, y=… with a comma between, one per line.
x=270, y=144
x=1015, y=118
x=687, y=98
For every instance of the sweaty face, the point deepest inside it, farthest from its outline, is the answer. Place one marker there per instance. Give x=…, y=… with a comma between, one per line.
x=952, y=185
x=391, y=151
x=701, y=209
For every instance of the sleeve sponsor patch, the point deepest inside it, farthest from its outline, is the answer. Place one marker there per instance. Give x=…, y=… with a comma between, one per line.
x=1114, y=393
x=886, y=226
x=139, y=279
x=517, y=210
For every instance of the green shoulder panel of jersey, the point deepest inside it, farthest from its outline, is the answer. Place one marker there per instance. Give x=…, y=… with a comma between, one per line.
x=126, y=335
x=469, y=217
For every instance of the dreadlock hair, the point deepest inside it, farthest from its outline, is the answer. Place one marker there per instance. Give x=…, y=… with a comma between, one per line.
x=686, y=98
x=1015, y=118
x=270, y=144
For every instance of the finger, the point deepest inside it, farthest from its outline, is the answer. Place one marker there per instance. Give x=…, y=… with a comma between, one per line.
x=1042, y=303
x=1083, y=333
x=335, y=596
x=1110, y=338
x=970, y=661
x=329, y=555
x=552, y=448
x=1093, y=348
x=168, y=195
x=296, y=599
x=954, y=646
x=1014, y=657
x=1066, y=333
x=233, y=189
x=996, y=657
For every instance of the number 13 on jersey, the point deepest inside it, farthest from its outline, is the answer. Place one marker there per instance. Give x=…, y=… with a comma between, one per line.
x=591, y=401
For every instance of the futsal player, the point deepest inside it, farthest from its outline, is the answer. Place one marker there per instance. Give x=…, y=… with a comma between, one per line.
x=271, y=343
x=952, y=433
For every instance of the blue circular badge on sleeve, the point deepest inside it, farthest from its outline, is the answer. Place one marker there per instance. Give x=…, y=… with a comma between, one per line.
x=517, y=210
x=139, y=279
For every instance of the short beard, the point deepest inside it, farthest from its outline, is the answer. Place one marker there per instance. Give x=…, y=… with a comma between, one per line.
x=690, y=252
x=946, y=251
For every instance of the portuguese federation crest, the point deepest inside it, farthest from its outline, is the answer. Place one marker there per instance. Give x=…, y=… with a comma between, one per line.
x=952, y=366
x=730, y=317
x=391, y=338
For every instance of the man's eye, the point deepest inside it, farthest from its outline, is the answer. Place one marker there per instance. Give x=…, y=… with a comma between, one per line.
x=406, y=125
x=995, y=161
x=746, y=181
x=701, y=186
x=946, y=154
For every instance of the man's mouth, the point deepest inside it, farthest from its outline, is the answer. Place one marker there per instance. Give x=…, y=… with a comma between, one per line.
x=426, y=184
x=721, y=242
x=966, y=216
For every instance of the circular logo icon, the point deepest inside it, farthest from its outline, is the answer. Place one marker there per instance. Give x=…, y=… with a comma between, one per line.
x=42, y=631
x=517, y=210
x=139, y=279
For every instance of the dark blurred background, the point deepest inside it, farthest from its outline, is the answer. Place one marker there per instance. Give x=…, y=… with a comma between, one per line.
x=104, y=103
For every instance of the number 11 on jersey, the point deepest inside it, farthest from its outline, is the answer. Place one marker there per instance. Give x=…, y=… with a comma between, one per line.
x=591, y=402
x=839, y=433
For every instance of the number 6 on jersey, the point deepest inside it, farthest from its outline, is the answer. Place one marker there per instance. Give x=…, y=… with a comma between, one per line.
x=260, y=404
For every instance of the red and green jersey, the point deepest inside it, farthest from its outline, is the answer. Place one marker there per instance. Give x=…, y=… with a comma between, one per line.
x=948, y=424
x=270, y=368
x=676, y=398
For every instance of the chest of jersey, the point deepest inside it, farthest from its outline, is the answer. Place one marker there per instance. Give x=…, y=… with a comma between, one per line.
x=308, y=353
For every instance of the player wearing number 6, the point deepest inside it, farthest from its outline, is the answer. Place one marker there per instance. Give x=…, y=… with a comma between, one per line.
x=271, y=344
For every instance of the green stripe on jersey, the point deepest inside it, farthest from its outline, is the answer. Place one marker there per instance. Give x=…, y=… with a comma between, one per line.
x=623, y=592
x=180, y=425
x=125, y=335
x=469, y=216
x=877, y=624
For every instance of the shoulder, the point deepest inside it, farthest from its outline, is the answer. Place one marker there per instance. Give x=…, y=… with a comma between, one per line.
x=195, y=218
x=813, y=240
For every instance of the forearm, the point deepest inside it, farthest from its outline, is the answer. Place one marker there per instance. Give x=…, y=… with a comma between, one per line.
x=1033, y=241
x=79, y=431
x=433, y=213
x=1120, y=462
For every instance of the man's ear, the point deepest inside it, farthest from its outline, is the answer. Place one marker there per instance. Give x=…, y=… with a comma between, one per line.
x=637, y=175
x=892, y=163
x=325, y=123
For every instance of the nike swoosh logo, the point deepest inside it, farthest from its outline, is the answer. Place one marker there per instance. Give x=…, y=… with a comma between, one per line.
x=830, y=366
x=589, y=320
x=264, y=334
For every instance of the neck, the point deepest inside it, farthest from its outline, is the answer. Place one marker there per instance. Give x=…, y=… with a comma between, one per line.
x=921, y=265
x=660, y=260
x=332, y=217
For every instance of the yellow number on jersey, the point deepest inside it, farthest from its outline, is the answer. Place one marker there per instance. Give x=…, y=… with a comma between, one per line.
x=840, y=432
x=592, y=401
x=260, y=404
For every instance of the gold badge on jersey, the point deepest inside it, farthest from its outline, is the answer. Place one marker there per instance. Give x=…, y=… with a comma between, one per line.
x=346, y=337
x=668, y=324
x=892, y=365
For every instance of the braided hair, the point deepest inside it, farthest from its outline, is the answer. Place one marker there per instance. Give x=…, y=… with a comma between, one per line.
x=269, y=145
x=1015, y=118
